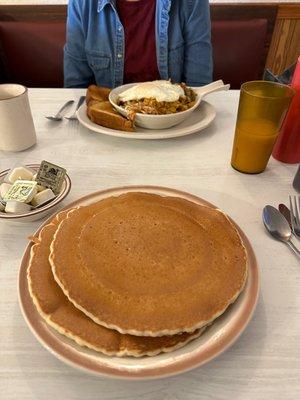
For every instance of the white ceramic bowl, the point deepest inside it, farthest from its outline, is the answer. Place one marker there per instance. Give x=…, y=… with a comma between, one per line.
x=150, y=121
x=42, y=211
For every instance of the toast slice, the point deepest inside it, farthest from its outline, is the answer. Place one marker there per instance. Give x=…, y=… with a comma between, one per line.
x=91, y=103
x=97, y=93
x=103, y=113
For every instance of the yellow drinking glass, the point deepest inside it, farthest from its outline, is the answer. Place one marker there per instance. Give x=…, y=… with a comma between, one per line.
x=262, y=108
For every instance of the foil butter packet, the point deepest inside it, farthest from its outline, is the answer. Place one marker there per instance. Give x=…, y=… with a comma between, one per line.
x=51, y=176
x=21, y=190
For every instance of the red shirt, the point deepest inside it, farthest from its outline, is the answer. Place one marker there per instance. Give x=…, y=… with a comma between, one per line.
x=138, y=20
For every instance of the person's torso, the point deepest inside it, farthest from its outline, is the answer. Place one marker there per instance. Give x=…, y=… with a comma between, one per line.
x=105, y=41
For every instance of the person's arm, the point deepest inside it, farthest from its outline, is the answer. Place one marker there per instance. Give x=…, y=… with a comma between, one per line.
x=77, y=72
x=198, y=52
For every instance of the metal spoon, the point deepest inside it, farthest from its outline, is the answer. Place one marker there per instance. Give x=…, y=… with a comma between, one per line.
x=278, y=227
x=73, y=117
x=58, y=116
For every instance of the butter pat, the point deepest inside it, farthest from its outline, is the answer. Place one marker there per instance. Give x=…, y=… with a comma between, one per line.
x=17, y=207
x=40, y=188
x=42, y=197
x=22, y=191
x=4, y=188
x=20, y=173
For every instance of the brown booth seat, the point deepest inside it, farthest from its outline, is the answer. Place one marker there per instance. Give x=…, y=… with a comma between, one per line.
x=31, y=53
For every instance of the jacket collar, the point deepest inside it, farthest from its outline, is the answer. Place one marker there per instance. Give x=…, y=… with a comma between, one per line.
x=103, y=3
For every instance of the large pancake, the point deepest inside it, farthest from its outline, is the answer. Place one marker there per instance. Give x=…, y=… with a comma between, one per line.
x=59, y=313
x=149, y=265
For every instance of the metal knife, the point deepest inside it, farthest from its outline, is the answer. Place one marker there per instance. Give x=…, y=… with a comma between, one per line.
x=285, y=211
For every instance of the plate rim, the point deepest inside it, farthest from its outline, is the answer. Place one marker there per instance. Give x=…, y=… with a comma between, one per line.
x=156, y=136
x=151, y=372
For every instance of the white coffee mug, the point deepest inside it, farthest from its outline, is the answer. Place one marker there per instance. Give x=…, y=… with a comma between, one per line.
x=17, y=130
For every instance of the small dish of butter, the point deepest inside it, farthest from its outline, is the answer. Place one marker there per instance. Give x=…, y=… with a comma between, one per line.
x=30, y=192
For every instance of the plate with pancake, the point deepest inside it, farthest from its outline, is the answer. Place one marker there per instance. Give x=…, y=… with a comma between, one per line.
x=100, y=116
x=138, y=282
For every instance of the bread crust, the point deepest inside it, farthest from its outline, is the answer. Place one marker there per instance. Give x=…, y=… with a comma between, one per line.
x=101, y=112
x=97, y=93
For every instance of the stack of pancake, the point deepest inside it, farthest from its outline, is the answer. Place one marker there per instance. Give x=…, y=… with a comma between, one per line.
x=138, y=274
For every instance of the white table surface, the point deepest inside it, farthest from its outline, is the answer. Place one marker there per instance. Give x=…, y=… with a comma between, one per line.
x=264, y=363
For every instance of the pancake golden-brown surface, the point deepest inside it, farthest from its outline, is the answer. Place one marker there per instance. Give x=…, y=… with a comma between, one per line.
x=59, y=313
x=149, y=265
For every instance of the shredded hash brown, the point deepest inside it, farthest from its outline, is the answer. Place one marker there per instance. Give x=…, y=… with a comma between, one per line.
x=152, y=106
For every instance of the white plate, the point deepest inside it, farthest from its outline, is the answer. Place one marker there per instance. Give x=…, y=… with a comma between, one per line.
x=199, y=119
x=216, y=339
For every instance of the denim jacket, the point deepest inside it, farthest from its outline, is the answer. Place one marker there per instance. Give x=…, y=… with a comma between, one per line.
x=94, y=50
